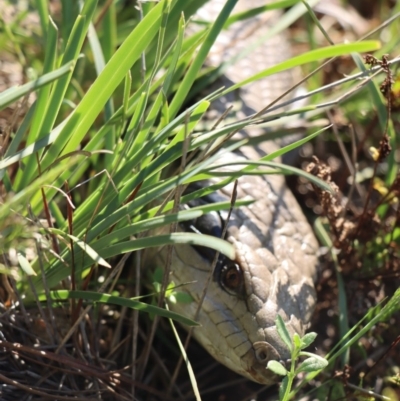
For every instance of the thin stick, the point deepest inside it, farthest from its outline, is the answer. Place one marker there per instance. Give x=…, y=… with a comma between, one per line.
x=168, y=262
x=214, y=263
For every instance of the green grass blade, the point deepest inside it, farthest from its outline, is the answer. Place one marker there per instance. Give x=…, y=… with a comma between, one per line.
x=258, y=10
x=99, y=62
x=313, y=55
x=109, y=38
x=325, y=240
x=14, y=93
x=72, y=50
x=101, y=90
x=278, y=168
x=57, y=271
x=25, y=265
x=89, y=251
x=201, y=56
x=280, y=152
x=31, y=149
x=41, y=107
x=284, y=21
x=18, y=201
x=192, y=376
x=41, y=6
x=64, y=295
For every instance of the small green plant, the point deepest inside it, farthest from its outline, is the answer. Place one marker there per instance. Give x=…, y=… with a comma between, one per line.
x=296, y=346
x=171, y=293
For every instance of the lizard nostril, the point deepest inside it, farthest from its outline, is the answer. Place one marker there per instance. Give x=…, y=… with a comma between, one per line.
x=265, y=352
x=256, y=359
x=261, y=355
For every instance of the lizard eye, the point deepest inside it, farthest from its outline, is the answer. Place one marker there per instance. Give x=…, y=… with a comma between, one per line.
x=231, y=278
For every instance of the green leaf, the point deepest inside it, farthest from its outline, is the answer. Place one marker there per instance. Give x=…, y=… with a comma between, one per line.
x=297, y=341
x=312, y=364
x=180, y=297
x=89, y=251
x=277, y=368
x=283, y=332
x=308, y=339
x=25, y=265
x=158, y=275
